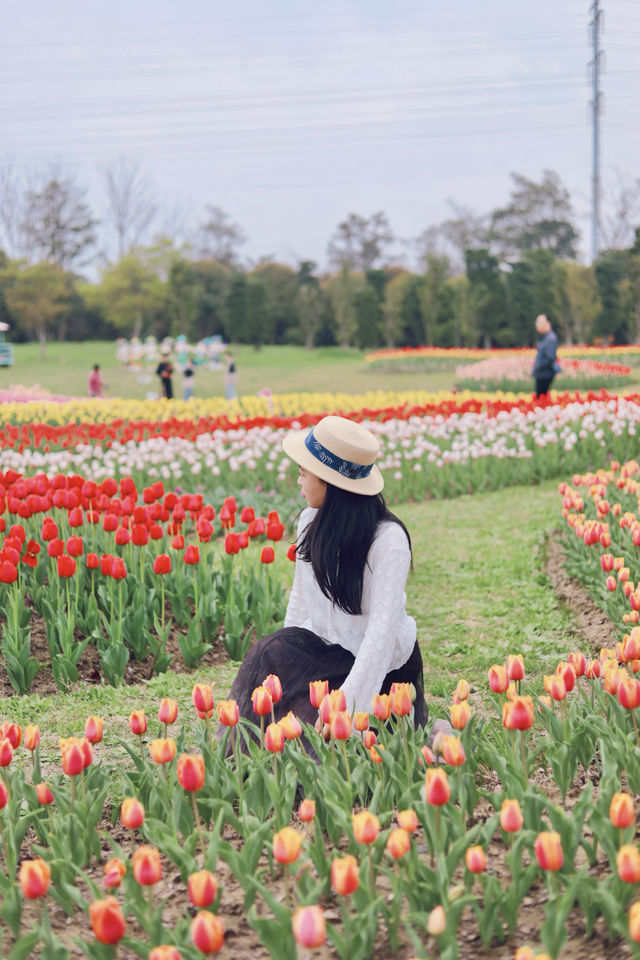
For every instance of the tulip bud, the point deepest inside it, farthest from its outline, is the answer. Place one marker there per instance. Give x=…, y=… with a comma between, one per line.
x=286, y=845
x=114, y=871
x=345, y=875
x=518, y=714
x=165, y=952
x=511, y=818
x=475, y=859
x=628, y=863
x=340, y=724
x=515, y=666
x=398, y=843
x=360, y=721
x=462, y=690
x=107, y=921
x=436, y=787
x=31, y=737
x=93, y=729
x=274, y=738
x=307, y=810
x=168, y=711
x=460, y=714
x=309, y=927
x=162, y=750
x=290, y=726
x=191, y=772
x=261, y=701
x=401, y=699
x=207, y=932
x=228, y=713
x=366, y=826
x=621, y=810
x=138, y=723
x=202, y=698
x=318, y=689
x=437, y=922
x=131, y=813
x=548, y=850
x=13, y=733
x=146, y=866
x=634, y=921
x=34, y=877
x=43, y=793
x=408, y=820
x=498, y=680
x=370, y=738
x=73, y=759
x=203, y=888
x=381, y=706
x=273, y=685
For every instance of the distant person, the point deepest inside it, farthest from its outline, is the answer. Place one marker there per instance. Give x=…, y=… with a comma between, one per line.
x=96, y=383
x=165, y=371
x=230, y=376
x=187, y=379
x=546, y=365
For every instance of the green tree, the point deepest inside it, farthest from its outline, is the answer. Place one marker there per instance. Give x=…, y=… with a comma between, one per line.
x=38, y=297
x=393, y=317
x=431, y=292
x=131, y=293
x=310, y=308
x=578, y=301
x=342, y=291
x=256, y=312
x=613, y=319
x=359, y=243
x=368, y=318
x=237, y=308
x=412, y=320
x=487, y=299
x=58, y=225
x=538, y=217
x=531, y=290
x=280, y=284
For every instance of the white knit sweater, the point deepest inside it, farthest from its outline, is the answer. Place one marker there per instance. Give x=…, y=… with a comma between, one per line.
x=382, y=637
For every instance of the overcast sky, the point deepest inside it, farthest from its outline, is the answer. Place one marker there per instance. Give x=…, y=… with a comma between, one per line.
x=289, y=115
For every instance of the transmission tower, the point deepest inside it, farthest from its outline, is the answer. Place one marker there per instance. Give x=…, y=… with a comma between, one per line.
x=596, y=26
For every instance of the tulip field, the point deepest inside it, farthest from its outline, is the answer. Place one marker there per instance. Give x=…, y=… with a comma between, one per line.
x=141, y=538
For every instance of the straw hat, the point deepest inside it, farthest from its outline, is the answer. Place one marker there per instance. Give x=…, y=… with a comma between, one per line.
x=340, y=452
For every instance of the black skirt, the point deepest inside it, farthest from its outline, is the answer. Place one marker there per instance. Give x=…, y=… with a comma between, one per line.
x=298, y=656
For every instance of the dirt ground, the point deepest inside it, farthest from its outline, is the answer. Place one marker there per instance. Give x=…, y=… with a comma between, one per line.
x=594, y=631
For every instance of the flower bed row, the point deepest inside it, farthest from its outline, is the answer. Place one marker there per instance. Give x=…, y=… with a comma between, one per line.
x=393, y=840
x=415, y=359
x=438, y=454
x=514, y=373
x=79, y=555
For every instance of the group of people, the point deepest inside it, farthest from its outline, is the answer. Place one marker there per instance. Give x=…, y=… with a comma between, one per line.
x=165, y=371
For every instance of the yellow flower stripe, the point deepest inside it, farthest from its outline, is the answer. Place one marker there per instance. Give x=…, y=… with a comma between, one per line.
x=476, y=353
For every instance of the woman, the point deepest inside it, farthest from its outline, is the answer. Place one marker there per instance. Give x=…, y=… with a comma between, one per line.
x=346, y=620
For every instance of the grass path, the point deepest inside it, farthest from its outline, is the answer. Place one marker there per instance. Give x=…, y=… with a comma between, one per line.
x=478, y=592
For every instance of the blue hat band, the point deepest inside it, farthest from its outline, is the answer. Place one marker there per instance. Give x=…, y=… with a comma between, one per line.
x=346, y=468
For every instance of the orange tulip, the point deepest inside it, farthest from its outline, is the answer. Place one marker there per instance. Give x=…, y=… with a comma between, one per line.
x=629, y=691
x=612, y=677
x=286, y=845
x=460, y=714
x=621, y=810
x=518, y=714
x=462, y=690
x=318, y=689
x=437, y=922
x=555, y=687
x=381, y=706
x=566, y=671
x=168, y=710
x=366, y=826
x=511, y=818
x=436, y=787
x=291, y=726
x=401, y=699
x=592, y=671
x=498, y=680
x=107, y=921
x=370, y=738
x=191, y=771
x=274, y=738
x=628, y=863
x=340, y=724
x=228, y=713
x=408, y=820
x=162, y=750
x=307, y=810
x=548, y=850
x=31, y=737
x=333, y=702
x=165, y=952
x=374, y=752
x=273, y=685
x=93, y=729
x=202, y=699
x=207, y=932
x=34, y=877
x=261, y=701
x=309, y=927
x=131, y=813
x=475, y=859
x=138, y=723
x=345, y=875
x=452, y=751
x=13, y=733
x=515, y=666
x=398, y=843
x=203, y=888
x=360, y=721
x=43, y=793
x=114, y=871
x=634, y=921
x=147, y=866
x=73, y=758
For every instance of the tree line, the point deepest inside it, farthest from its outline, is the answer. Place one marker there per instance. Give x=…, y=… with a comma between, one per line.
x=482, y=279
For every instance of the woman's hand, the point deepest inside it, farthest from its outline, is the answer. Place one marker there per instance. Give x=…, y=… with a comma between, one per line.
x=324, y=729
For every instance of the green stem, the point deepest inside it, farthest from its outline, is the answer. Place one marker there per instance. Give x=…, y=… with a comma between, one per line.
x=196, y=820
x=343, y=745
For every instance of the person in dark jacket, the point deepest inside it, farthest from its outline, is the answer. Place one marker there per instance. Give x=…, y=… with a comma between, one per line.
x=546, y=365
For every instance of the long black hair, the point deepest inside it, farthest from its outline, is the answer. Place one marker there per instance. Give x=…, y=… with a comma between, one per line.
x=337, y=542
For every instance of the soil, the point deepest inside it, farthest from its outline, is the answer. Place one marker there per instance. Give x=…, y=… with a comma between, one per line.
x=593, y=631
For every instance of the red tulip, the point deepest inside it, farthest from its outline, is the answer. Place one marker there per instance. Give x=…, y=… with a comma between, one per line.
x=107, y=921
x=192, y=554
x=43, y=793
x=267, y=555
x=34, y=877
x=628, y=863
x=621, y=810
x=511, y=818
x=191, y=771
x=261, y=701
x=273, y=685
x=475, y=859
x=146, y=866
x=93, y=729
x=274, y=738
x=398, y=843
x=548, y=850
x=381, y=706
x=286, y=845
x=437, y=789
x=498, y=680
x=228, y=713
x=162, y=750
x=318, y=689
x=138, y=723
x=515, y=666
x=202, y=697
x=309, y=927
x=203, y=888
x=207, y=932
x=132, y=813
x=307, y=810
x=162, y=564
x=114, y=871
x=168, y=710
x=366, y=826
